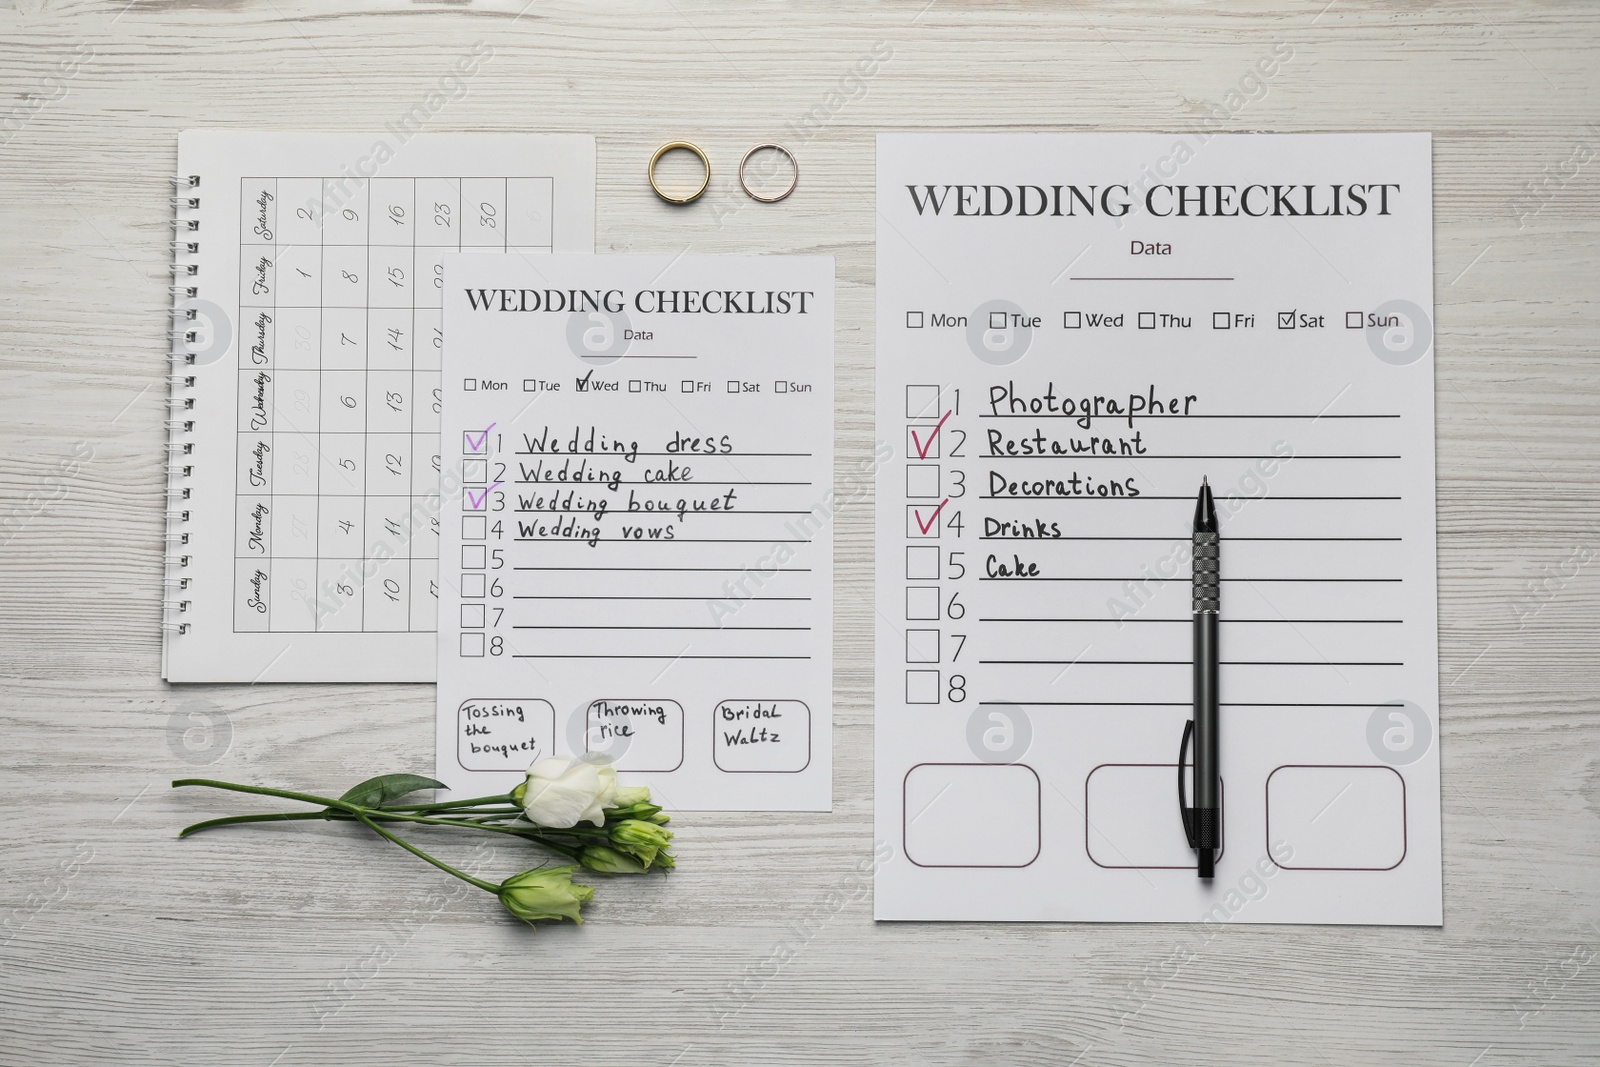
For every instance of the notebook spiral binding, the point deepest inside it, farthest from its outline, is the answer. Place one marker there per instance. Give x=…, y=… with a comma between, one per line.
x=180, y=400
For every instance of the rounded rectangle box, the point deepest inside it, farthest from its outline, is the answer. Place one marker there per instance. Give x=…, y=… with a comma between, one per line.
x=639, y=735
x=761, y=736
x=504, y=735
x=971, y=815
x=1336, y=817
x=1129, y=825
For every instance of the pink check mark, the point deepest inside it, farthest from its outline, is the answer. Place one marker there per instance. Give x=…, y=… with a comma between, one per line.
x=932, y=519
x=923, y=446
x=477, y=442
x=477, y=500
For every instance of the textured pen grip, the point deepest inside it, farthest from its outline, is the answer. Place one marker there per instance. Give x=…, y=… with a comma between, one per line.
x=1207, y=595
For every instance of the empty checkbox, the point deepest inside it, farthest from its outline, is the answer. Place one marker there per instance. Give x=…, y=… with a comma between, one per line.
x=635, y=385
x=780, y=387
x=922, y=481
x=913, y=320
x=472, y=616
x=474, y=527
x=470, y=385
x=530, y=385
x=922, y=602
x=472, y=645
x=1352, y=320
x=475, y=471
x=922, y=402
x=922, y=646
x=474, y=557
x=922, y=562
x=922, y=687
x=733, y=387
x=1221, y=320
x=474, y=585
x=1147, y=320
x=1072, y=320
x=687, y=386
x=997, y=320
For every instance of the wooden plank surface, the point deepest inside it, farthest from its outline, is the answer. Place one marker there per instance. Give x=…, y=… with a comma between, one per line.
x=294, y=946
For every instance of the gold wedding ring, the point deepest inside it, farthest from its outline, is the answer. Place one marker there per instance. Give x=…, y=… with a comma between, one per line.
x=793, y=162
x=687, y=147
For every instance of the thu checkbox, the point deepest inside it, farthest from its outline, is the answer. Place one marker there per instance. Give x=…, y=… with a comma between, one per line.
x=922, y=646
x=635, y=385
x=922, y=481
x=474, y=557
x=922, y=562
x=1147, y=320
x=922, y=687
x=922, y=602
x=922, y=402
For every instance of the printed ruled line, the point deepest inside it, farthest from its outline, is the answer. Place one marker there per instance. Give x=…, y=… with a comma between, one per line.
x=1074, y=456
x=1138, y=578
x=1188, y=496
x=1149, y=278
x=1178, y=540
x=1189, y=663
x=1189, y=619
x=645, y=515
x=620, y=655
x=654, y=570
x=621, y=453
x=588, y=596
x=666, y=541
x=607, y=483
x=1171, y=415
x=725, y=629
x=1177, y=704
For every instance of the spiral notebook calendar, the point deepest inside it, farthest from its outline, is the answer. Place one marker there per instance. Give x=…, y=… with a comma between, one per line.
x=303, y=451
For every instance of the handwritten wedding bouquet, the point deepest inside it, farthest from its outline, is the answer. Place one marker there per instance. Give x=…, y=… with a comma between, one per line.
x=573, y=807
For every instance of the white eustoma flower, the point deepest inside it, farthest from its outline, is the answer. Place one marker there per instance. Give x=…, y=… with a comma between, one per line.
x=561, y=791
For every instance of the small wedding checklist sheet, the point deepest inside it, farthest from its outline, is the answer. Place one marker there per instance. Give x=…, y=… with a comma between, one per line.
x=638, y=555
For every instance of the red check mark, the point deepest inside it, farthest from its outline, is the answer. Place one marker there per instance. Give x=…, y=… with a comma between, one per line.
x=923, y=446
x=926, y=526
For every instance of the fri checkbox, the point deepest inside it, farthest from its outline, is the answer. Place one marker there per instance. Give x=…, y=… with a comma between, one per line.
x=1221, y=320
x=687, y=386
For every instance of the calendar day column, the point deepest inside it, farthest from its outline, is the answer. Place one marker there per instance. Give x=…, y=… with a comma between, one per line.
x=439, y=207
x=253, y=498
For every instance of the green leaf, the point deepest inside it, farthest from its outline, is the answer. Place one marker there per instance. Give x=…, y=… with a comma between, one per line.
x=388, y=788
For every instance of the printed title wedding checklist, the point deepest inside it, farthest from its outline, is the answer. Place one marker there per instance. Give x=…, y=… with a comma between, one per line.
x=1073, y=330
x=637, y=558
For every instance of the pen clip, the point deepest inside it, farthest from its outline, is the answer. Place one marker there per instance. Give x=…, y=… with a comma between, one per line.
x=1184, y=809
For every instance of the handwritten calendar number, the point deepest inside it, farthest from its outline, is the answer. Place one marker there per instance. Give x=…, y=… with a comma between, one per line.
x=395, y=334
x=396, y=464
x=391, y=589
x=441, y=214
x=438, y=401
x=346, y=525
x=486, y=215
x=438, y=279
x=397, y=277
x=348, y=464
x=438, y=340
x=397, y=214
x=435, y=460
x=350, y=215
x=305, y=213
x=302, y=337
x=302, y=464
x=396, y=401
x=348, y=401
x=353, y=279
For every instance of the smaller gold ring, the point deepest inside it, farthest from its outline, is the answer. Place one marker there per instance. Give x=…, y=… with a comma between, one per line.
x=687, y=147
x=793, y=162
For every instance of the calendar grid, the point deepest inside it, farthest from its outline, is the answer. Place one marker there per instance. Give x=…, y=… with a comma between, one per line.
x=337, y=508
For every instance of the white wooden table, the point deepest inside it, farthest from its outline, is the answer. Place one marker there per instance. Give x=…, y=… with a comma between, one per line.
x=309, y=946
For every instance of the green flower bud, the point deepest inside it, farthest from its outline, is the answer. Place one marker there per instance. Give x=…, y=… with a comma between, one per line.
x=629, y=795
x=545, y=893
x=641, y=839
x=519, y=793
x=609, y=861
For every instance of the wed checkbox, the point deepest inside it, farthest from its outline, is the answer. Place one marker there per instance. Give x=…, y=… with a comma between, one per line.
x=922, y=602
x=922, y=481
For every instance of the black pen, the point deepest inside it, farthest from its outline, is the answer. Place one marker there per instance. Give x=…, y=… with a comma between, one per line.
x=1203, y=822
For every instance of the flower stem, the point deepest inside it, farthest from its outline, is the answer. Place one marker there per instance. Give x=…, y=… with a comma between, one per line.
x=487, y=887
x=503, y=798
x=259, y=790
x=232, y=820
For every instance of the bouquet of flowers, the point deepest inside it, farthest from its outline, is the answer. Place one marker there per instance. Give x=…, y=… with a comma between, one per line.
x=570, y=806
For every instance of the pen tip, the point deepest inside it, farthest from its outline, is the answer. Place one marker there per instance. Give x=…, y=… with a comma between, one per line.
x=1204, y=480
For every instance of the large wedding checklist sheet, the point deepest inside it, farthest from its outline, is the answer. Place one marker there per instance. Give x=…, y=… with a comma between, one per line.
x=637, y=559
x=1073, y=331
